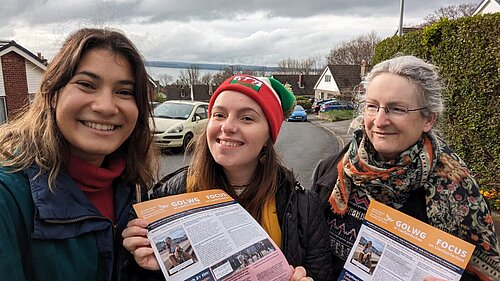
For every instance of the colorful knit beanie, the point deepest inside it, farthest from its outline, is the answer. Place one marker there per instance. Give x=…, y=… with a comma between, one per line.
x=274, y=99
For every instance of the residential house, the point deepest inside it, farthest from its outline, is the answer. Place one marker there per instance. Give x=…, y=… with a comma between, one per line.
x=340, y=81
x=20, y=74
x=301, y=84
x=488, y=7
x=199, y=92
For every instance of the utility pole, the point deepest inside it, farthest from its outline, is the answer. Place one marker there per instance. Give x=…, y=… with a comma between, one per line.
x=401, y=10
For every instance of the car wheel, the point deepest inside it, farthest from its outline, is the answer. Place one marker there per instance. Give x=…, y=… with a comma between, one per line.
x=187, y=139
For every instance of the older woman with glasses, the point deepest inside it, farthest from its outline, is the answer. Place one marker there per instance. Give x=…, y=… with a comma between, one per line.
x=397, y=159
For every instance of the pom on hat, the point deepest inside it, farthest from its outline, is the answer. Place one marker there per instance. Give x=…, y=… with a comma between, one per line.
x=273, y=98
x=288, y=100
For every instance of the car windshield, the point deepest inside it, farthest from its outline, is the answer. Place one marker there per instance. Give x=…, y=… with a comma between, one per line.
x=173, y=110
x=298, y=108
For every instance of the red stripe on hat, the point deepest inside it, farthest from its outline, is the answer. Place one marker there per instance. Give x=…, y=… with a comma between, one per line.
x=264, y=96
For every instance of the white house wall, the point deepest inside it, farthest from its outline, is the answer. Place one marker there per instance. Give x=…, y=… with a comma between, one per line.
x=327, y=86
x=488, y=7
x=324, y=89
x=492, y=8
x=34, y=76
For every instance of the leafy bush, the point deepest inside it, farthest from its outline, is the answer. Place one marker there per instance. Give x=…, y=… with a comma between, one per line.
x=304, y=101
x=467, y=52
x=338, y=115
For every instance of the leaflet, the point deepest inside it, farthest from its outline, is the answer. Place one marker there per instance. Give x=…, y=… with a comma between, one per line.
x=394, y=246
x=208, y=236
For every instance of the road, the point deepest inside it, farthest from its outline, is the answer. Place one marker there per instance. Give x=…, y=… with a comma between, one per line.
x=300, y=144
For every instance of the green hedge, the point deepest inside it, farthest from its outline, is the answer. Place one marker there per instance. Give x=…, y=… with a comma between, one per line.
x=304, y=101
x=467, y=52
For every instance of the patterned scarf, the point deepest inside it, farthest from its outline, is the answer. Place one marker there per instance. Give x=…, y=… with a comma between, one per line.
x=453, y=202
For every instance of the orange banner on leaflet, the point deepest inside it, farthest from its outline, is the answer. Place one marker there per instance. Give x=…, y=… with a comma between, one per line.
x=156, y=209
x=427, y=237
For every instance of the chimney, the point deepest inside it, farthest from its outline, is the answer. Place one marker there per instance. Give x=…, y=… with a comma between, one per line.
x=301, y=81
x=363, y=68
x=42, y=59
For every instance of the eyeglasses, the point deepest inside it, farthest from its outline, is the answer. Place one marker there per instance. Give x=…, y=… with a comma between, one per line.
x=372, y=109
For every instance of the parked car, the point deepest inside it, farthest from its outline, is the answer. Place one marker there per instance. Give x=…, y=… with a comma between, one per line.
x=336, y=105
x=155, y=104
x=298, y=114
x=175, y=123
x=317, y=104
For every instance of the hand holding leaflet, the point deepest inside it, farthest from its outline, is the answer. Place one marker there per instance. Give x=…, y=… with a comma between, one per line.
x=204, y=234
x=391, y=243
x=135, y=240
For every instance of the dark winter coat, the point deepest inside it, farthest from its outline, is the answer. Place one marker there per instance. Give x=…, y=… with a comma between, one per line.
x=324, y=179
x=305, y=240
x=59, y=235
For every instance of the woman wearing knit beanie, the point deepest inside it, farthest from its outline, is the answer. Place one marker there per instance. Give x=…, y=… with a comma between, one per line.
x=236, y=153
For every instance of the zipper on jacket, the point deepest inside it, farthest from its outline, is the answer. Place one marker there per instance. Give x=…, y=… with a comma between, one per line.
x=79, y=220
x=287, y=216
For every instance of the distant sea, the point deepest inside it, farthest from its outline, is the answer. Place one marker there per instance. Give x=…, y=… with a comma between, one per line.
x=158, y=68
x=157, y=72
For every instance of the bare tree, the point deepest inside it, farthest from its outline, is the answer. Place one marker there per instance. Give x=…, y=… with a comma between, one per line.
x=354, y=51
x=450, y=12
x=261, y=72
x=206, y=78
x=165, y=79
x=225, y=73
x=248, y=71
x=298, y=66
x=190, y=76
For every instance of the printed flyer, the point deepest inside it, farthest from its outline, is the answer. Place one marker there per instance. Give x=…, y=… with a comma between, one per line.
x=394, y=246
x=208, y=236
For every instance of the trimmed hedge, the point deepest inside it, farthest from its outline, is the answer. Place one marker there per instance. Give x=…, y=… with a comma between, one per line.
x=467, y=52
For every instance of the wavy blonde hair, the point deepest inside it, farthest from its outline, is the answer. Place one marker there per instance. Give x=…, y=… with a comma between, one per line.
x=33, y=136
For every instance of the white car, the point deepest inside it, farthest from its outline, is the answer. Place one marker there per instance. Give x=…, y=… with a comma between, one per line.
x=175, y=123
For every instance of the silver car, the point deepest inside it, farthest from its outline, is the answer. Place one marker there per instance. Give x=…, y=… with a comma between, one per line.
x=175, y=123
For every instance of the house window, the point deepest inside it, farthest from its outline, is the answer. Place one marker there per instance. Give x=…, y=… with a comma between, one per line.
x=3, y=111
x=328, y=78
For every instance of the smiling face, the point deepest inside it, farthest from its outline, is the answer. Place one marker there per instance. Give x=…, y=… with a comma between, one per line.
x=96, y=111
x=236, y=132
x=392, y=135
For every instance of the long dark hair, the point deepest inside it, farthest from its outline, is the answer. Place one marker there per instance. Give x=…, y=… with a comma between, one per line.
x=34, y=136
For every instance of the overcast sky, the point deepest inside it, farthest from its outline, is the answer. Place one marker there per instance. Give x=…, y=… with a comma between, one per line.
x=261, y=32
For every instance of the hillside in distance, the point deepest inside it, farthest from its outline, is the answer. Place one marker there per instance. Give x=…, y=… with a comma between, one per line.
x=208, y=66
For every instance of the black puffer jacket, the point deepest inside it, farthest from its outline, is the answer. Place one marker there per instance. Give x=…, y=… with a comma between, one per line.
x=305, y=240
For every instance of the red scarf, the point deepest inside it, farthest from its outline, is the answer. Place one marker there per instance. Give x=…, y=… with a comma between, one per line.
x=97, y=182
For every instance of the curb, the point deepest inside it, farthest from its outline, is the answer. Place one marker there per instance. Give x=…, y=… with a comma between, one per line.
x=339, y=139
x=316, y=120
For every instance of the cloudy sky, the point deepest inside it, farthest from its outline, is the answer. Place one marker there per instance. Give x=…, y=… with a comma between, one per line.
x=261, y=32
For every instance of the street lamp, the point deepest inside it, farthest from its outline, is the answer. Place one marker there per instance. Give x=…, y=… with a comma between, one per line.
x=401, y=9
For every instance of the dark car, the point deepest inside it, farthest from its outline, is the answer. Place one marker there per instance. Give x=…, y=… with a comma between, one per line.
x=336, y=105
x=299, y=114
x=317, y=104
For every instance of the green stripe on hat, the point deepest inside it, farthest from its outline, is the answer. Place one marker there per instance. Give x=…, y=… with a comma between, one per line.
x=287, y=98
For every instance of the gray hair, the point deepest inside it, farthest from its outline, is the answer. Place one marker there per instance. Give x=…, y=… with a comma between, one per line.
x=423, y=76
